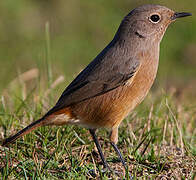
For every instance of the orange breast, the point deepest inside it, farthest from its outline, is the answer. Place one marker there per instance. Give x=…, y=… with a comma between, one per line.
x=109, y=109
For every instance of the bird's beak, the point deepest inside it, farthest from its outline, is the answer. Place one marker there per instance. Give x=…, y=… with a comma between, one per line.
x=180, y=14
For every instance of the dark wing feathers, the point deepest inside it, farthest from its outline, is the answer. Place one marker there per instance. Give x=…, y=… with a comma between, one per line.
x=105, y=73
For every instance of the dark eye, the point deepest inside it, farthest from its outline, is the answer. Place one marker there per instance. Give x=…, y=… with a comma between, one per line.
x=155, y=18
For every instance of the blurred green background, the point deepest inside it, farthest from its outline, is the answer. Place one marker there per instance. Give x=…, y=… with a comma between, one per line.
x=79, y=30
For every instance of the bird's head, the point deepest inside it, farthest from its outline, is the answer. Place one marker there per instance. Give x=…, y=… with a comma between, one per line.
x=149, y=21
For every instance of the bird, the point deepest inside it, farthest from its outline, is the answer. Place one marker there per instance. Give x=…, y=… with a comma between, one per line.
x=115, y=81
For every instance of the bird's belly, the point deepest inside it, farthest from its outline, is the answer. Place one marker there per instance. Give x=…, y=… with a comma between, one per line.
x=109, y=109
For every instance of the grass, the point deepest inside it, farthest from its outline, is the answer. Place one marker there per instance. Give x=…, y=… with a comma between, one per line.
x=157, y=140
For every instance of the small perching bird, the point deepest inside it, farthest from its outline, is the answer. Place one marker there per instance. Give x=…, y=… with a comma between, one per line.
x=116, y=81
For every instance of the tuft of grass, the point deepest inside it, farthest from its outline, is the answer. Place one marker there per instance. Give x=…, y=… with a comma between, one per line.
x=48, y=54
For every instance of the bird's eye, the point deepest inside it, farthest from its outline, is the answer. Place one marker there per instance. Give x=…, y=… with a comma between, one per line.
x=155, y=18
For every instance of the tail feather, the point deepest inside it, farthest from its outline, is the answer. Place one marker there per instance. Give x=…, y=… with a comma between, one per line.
x=24, y=131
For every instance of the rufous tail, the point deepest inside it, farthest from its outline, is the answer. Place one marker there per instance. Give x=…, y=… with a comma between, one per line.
x=24, y=131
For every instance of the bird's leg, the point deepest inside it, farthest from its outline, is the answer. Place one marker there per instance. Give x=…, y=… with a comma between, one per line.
x=105, y=164
x=113, y=141
x=119, y=154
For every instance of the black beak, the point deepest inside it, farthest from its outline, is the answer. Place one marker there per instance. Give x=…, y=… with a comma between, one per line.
x=180, y=14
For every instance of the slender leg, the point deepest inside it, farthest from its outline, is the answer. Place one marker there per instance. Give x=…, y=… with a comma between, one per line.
x=121, y=159
x=113, y=141
x=105, y=164
x=119, y=154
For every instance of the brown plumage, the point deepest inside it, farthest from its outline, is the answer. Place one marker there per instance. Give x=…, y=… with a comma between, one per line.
x=117, y=80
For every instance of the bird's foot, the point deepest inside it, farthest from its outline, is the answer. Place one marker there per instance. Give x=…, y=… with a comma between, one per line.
x=103, y=171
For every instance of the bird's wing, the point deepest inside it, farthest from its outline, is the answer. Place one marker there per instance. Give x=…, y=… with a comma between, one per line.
x=105, y=73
